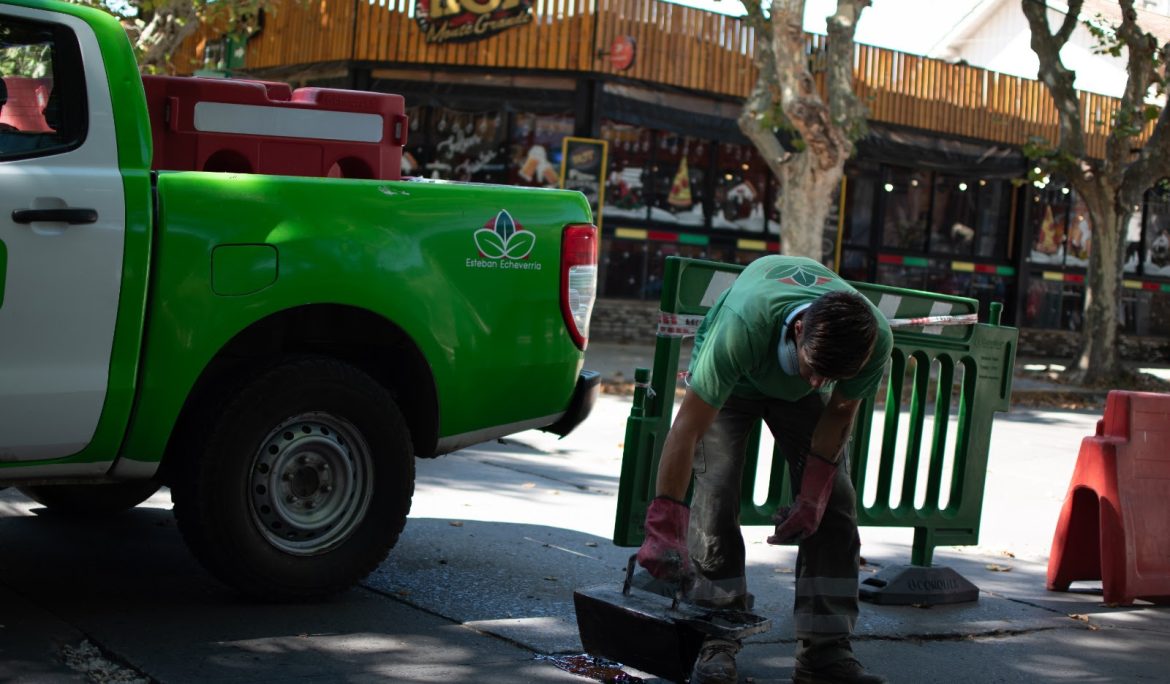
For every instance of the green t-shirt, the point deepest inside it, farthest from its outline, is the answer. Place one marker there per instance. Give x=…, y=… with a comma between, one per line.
x=735, y=346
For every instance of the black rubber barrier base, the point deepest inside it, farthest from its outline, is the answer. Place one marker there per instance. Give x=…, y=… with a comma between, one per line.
x=905, y=585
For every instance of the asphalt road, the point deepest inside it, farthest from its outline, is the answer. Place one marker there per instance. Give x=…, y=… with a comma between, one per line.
x=479, y=588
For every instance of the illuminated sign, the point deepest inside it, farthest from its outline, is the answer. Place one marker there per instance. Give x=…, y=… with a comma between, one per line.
x=460, y=21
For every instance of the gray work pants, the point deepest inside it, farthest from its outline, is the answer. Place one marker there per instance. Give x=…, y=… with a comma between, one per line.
x=827, y=562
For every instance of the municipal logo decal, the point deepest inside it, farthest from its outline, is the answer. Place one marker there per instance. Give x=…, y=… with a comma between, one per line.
x=503, y=243
x=801, y=276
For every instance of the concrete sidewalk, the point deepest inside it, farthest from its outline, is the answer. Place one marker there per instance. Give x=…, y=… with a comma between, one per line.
x=480, y=586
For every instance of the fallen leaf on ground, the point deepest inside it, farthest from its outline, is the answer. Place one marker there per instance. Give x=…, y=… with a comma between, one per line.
x=528, y=485
x=783, y=571
x=456, y=523
x=998, y=568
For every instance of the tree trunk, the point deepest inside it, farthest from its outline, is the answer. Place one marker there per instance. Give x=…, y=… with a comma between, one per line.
x=805, y=204
x=1099, y=363
x=786, y=95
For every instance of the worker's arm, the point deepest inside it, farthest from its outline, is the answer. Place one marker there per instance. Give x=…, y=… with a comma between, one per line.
x=832, y=430
x=820, y=470
x=678, y=453
x=664, y=550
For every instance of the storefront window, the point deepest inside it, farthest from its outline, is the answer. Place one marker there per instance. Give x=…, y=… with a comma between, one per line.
x=854, y=265
x=413, y=155
x=952, y=225
x=1047, y=222
x=1156, y=261
x=740, y=189
x=1080, y=234
x=679, y=176
x=993, y=218
x=860, y=194
x=771, y=209
x=468, y=146
x=1135, y=311
x=624, y=264
x=656, y=254
x=901, y=275
x=535, y=159
x=1160, y=314
x=1054, y=304
x=907, y=206
x=1133, y=242
x=629, y=168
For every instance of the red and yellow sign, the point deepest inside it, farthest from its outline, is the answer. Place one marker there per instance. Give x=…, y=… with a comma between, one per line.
x=458, y=21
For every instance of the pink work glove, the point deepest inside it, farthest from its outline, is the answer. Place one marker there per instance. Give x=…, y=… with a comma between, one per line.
x=664, y=550
x=804, y=516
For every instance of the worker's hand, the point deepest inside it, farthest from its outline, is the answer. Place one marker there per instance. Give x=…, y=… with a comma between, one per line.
x=664, y=551
x=802, y=519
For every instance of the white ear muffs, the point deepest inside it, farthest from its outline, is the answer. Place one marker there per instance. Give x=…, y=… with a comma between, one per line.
x=786, y=349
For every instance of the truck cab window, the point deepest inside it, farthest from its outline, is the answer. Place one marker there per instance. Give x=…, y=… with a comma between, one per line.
x=42, y=91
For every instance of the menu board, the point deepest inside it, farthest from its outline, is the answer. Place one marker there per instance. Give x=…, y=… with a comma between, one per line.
x=583, y=165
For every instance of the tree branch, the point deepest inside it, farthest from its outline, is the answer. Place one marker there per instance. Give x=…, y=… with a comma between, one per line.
x=802, y=104
x=846, y=110
x=761, y=114
x=1153, y=162
x=1055, y=76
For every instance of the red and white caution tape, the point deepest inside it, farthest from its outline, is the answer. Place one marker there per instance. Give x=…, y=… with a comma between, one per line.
x=677, y=325
x=961, y=319
x=683, y=325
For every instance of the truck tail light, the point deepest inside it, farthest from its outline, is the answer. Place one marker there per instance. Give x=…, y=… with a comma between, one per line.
x=578, y=279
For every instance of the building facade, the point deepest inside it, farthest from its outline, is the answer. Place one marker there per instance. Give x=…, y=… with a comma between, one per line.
x=935, y=197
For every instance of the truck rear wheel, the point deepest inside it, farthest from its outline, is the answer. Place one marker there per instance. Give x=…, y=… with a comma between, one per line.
x=303, y=484
x=94, y=499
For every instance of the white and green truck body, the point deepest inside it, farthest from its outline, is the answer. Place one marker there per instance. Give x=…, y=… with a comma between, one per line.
x=277, y=350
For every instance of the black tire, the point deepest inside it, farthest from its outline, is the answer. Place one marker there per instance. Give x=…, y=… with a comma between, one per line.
x=94, y=499
x=302, y=485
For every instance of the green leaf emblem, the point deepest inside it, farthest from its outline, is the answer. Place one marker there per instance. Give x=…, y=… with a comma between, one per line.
x=505, y=227
x=503, y=238
x=797, y=275
x=489, y=243
x=520, y=246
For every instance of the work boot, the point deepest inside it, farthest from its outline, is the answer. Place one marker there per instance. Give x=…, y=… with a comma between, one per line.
x=847, y=671
x=716, y=662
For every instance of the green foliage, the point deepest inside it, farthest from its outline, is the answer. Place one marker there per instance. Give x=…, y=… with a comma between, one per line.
x=1044, y=159
x=157, y=27
x=1106, y=35
x=22, y=54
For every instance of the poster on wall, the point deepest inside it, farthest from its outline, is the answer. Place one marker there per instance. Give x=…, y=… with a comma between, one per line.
x=583, y=165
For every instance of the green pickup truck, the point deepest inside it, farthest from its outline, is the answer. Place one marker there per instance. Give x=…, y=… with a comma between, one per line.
x=275, y=349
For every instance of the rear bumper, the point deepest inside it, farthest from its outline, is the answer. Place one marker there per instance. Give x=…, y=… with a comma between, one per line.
x=584, y=397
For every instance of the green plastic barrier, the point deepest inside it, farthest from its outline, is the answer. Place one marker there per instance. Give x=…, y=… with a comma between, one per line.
x=905, y=474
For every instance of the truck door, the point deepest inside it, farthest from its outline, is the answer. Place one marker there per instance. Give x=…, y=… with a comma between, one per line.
x=62, y=227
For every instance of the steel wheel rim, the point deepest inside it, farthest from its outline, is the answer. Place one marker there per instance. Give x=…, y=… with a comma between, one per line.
x=311, y=483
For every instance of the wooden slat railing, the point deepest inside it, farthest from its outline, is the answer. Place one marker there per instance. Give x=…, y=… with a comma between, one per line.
x=677, y=46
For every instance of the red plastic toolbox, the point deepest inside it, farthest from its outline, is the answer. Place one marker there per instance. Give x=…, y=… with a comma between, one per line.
x=210, y=124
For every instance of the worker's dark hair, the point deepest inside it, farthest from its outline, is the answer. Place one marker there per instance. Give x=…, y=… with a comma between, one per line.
x=3, y=93
x=839, y=334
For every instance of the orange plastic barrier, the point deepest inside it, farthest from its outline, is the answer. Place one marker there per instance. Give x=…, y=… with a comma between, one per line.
x=1115, y=524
